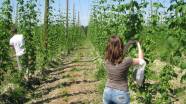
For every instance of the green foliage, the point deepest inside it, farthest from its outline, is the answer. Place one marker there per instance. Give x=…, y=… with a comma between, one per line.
x=162, y=37
x=100, y=73
x=177, y=19
x=183, y=64
x=165, y=90
x=14, y=94
x=5, y=25
x=28, y=23
x=101, y=86
x=17, y=95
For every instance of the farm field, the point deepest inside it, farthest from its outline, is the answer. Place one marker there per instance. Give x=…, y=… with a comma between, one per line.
x=64, y=49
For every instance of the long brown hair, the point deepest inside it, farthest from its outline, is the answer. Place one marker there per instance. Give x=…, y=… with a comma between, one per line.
x=114, y=50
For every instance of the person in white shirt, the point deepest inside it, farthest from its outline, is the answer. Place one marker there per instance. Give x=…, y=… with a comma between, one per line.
x=17, y=42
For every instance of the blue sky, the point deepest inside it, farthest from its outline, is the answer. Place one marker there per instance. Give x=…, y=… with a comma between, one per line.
x=84, y=7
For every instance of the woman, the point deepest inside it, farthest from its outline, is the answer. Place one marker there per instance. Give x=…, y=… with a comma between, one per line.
x=117, y=66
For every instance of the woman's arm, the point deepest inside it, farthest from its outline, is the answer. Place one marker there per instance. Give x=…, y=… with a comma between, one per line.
x=136, y=61
x=140, y=53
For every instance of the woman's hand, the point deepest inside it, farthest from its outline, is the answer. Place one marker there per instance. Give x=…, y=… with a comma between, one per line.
x=137, y=42
x=140, y=52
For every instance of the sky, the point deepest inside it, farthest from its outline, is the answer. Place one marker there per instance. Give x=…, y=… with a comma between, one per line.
x=83, y=5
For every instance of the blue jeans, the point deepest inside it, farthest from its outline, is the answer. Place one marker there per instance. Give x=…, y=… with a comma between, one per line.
x=114, y=96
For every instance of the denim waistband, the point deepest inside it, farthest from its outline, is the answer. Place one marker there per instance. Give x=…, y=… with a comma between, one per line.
x=113, y=89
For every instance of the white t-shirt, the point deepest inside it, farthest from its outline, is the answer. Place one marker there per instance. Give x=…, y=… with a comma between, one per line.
x=18, y=42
